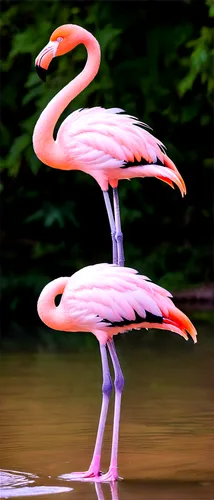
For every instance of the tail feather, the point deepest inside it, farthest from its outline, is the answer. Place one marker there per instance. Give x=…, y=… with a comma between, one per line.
x=173, y=320
x=178, y=319
x=169, y=163
x=167, y=175
x=166, y=326
x=167, y=181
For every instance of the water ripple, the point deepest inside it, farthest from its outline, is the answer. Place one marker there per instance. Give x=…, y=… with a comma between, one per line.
x=15, y=484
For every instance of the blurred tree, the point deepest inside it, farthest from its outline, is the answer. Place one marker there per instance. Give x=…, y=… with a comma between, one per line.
x=157, y=66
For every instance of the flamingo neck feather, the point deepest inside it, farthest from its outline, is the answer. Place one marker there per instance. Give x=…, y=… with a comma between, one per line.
x=45, y=147
x=48, y=312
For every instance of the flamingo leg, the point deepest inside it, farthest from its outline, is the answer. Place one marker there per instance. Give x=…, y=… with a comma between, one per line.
x=113, y=489
x=93, y=473
x=112, y=474
x=106, y=390
x=99, y=491
x=112, y=226
x=118, y=234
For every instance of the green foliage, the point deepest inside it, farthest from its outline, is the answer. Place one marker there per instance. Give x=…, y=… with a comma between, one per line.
x=155, y=65
x=199, y=63
x=50, y=214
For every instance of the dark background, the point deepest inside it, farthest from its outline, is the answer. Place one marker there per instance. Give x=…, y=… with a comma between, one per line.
x=157, y=64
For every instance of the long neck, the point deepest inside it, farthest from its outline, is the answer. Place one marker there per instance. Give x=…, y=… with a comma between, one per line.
x=45, y=147
x=48, y=312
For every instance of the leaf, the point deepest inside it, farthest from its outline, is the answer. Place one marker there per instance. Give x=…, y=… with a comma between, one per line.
x=14, y=157
x=51, y=215
x=42, y=249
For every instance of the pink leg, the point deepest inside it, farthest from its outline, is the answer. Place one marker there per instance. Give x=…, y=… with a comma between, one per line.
x=112, y=474
x=112, y=225
x=99, y=491
x=118, y=234
x=113, y=488
x=93, y=473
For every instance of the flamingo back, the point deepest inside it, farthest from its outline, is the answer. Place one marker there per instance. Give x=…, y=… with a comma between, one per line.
x=110, y=144
x=107, y=299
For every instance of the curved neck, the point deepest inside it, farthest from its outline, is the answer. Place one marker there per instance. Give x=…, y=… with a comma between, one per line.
x=48, y=312
x=44, y=145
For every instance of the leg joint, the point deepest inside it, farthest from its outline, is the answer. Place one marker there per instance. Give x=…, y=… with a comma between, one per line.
x=107, y=385
x=119, y=382
x=119, y=237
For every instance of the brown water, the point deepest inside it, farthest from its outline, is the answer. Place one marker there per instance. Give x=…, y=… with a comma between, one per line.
x=50, y=408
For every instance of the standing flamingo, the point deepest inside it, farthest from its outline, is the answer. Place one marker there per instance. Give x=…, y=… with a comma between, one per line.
x=105, y=143
x=106, y=299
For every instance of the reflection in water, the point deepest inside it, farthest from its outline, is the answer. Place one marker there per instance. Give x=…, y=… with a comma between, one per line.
x=113, y=489
x=14, y=484
x=50, y=405
x=14, y=478
x=154, y=491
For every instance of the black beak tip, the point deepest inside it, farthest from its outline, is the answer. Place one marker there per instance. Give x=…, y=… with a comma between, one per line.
x=42, y=73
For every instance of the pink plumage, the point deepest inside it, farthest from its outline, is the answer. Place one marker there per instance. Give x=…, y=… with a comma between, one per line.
x=105, y=143
x=106, y=299
x=110, y=145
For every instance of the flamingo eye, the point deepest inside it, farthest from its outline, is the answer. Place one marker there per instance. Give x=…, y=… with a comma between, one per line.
x=59, y=39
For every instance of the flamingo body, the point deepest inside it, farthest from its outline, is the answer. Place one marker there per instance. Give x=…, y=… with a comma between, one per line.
x=97, y=141
x=106, y=299
x=110, y=145
x=107, y=144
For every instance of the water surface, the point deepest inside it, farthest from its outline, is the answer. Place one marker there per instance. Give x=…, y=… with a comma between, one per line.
x=50, y=409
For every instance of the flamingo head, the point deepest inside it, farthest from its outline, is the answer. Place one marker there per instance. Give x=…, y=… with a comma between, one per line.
x=62, y=40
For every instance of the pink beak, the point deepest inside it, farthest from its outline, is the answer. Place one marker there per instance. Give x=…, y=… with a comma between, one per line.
x=44, y=59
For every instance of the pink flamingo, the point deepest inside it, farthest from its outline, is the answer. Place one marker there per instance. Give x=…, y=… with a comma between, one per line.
x=105, y=143
x=106, y=299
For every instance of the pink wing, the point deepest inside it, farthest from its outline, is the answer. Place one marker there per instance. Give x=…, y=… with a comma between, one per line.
x=98, y=134
x=113, y=299
x=104, y=139
x=107, y=292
